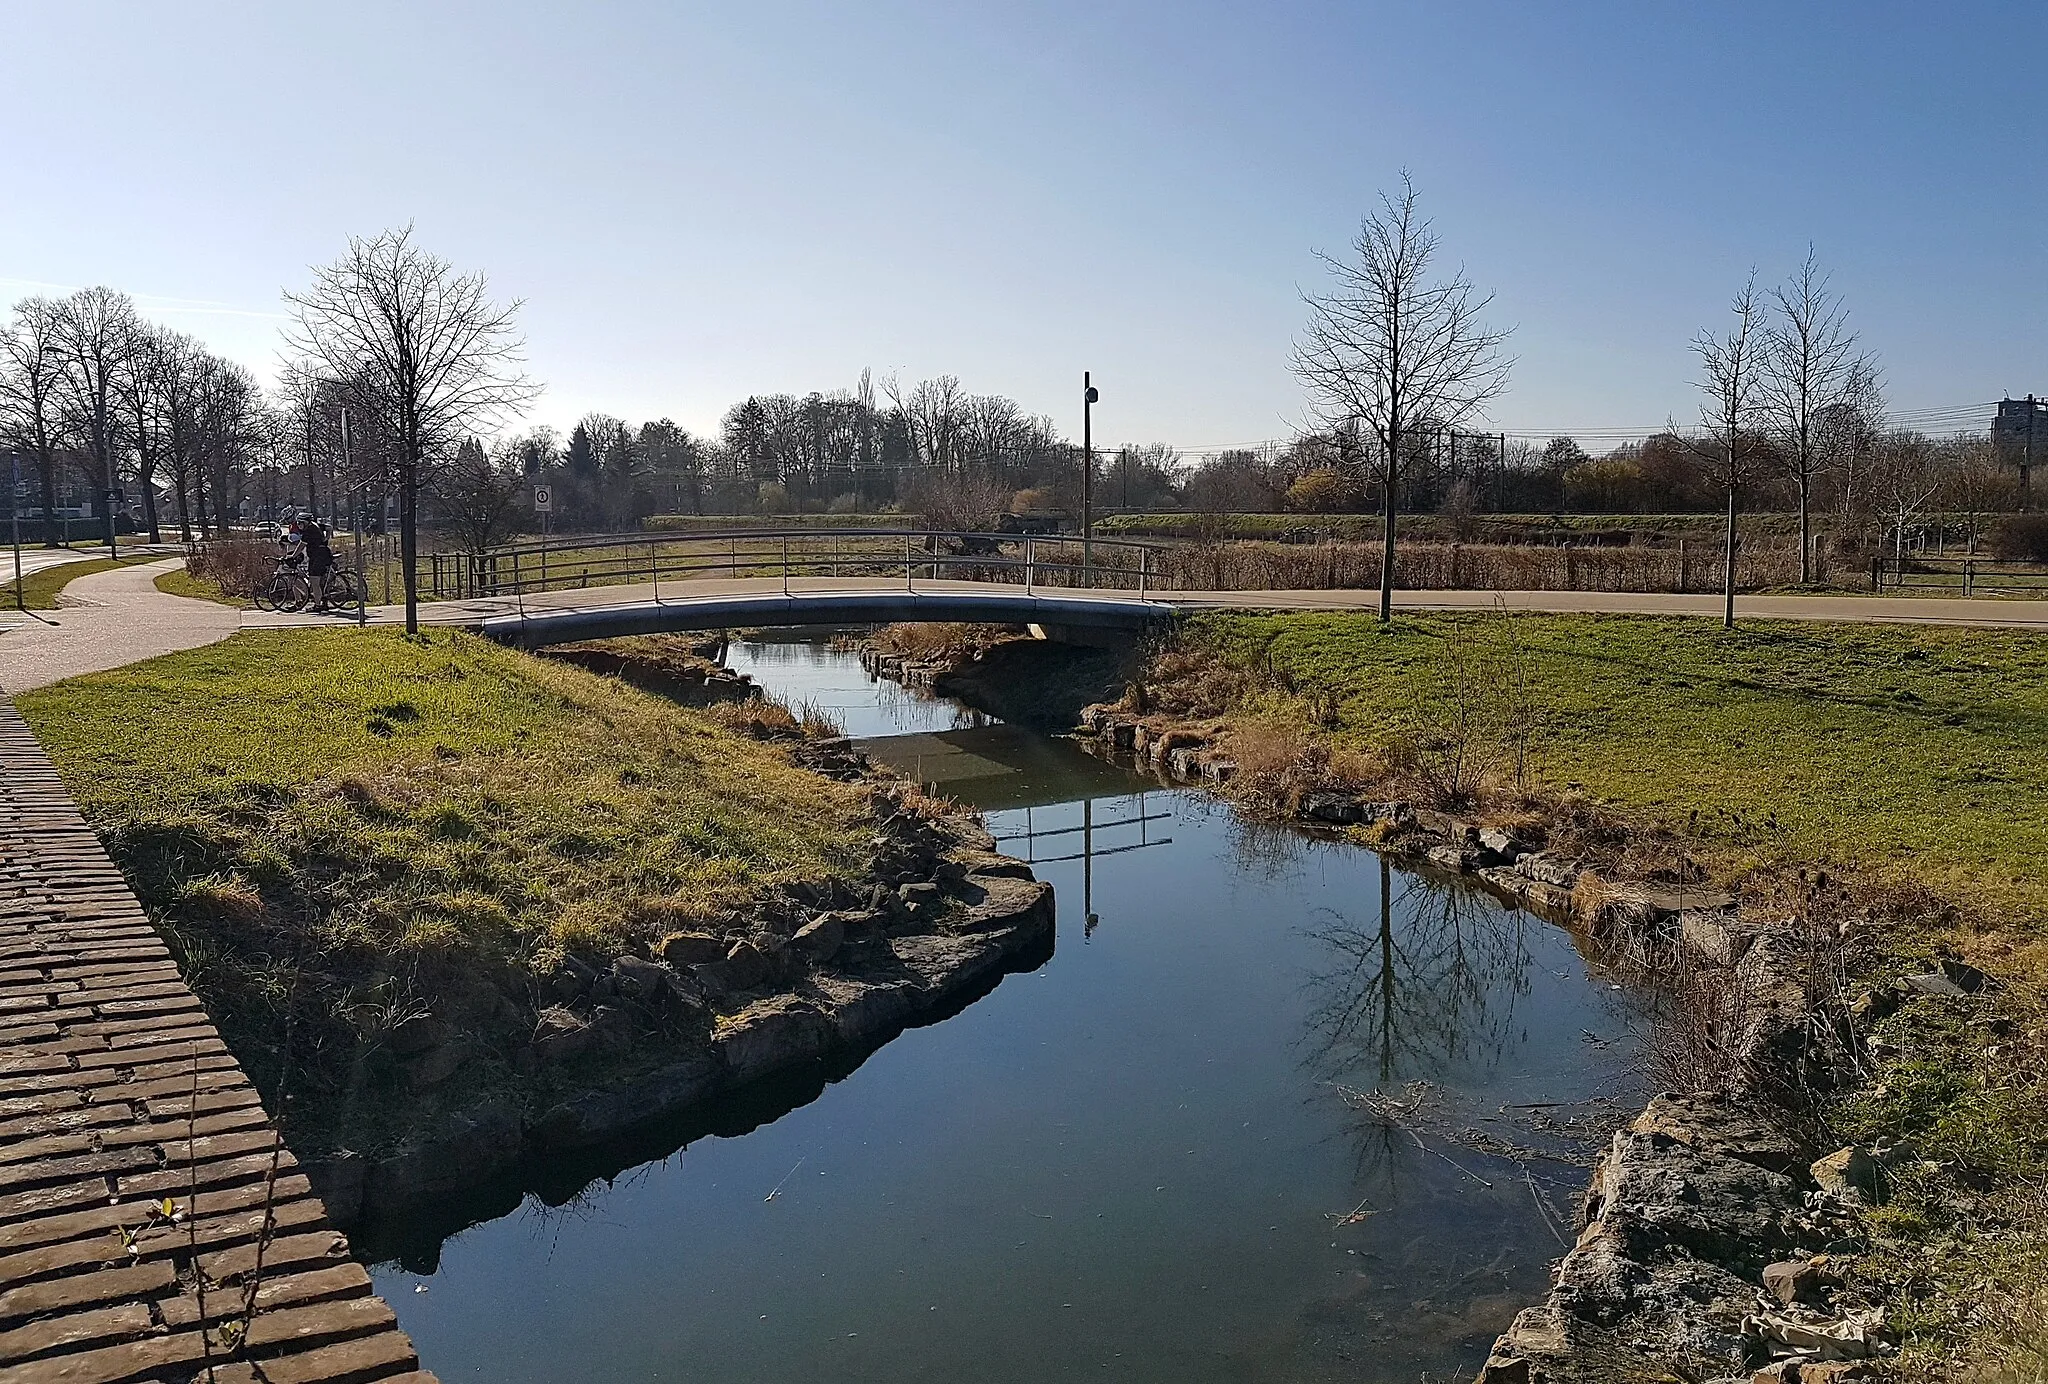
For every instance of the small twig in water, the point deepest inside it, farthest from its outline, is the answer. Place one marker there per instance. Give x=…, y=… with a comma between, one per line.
x=1543, y=1210
x=785, y=1181
x=1353, y=1216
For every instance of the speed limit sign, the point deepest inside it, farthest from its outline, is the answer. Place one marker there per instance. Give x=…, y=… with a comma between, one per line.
x=543, y=499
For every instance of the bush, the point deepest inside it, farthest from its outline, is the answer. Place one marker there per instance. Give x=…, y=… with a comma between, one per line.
x=240, y=567
x=1323, y=492
x=2022, y=538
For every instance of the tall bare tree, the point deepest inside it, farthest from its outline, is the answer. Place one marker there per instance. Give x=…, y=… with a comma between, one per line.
x=96, y=329
x=1731, y=373
x=1392, y=345
x=31, y=388
x=146, y=385
x=1809, y=365
x=441, y=356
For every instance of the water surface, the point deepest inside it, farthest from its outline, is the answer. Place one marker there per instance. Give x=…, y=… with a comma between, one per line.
x=1142, y=1160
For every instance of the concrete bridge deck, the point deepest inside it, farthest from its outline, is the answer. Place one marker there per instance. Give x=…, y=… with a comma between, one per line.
x=116, y=1093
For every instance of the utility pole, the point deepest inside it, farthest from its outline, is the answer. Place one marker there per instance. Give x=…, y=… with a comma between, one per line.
x=2027, y=468
x=14, y=511
x=1088, y=397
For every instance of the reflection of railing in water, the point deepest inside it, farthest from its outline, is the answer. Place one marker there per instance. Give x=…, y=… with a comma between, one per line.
x=1088, y=853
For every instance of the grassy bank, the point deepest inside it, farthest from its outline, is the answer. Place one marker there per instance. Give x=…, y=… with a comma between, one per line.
x=1909, y=752
x=41, y=589
x=361, y=831
x=1909, y=764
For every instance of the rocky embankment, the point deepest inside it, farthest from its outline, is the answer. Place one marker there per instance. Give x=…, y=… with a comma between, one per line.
x=1705, y=1237
x=807, y=977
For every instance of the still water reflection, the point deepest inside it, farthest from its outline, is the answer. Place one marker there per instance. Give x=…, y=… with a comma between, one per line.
x=1140, y=1161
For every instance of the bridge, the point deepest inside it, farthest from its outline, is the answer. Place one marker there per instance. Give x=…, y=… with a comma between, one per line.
x=1073, y=616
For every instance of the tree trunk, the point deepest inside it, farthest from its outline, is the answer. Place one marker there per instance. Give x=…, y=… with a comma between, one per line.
x=1387, y=531
x=149, y=503
x=1728, y=560
x=178, y=483
x=408, y=533
x=1805, y=527
x=46, y=472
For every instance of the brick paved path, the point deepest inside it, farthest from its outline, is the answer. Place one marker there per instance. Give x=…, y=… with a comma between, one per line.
x=101, y=1048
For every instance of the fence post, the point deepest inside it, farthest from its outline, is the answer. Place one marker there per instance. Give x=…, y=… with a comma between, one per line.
x=1030, y=561
x=1969, y=575
x=654, y=565
x=1876, y=569
x=785, y=564
x=906, y=562
x=1682, y=573
x=1145, y=567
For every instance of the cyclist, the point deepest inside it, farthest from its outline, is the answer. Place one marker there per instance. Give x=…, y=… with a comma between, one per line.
x=319, y=556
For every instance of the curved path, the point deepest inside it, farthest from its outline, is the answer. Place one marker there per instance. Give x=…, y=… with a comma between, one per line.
x=116, y=618
x=106, y=620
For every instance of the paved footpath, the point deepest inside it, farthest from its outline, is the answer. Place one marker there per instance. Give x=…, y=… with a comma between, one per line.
x=116, y=1093
x=116, y=618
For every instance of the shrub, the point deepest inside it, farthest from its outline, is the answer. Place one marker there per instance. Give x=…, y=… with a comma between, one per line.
x=238, y=566
x=1323, y=492
x=2022, y=538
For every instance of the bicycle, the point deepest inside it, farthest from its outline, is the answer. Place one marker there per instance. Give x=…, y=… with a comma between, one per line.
x=292, y=588
x=289, y=589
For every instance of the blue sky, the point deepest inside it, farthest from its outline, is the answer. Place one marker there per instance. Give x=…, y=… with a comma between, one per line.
x=699, y=201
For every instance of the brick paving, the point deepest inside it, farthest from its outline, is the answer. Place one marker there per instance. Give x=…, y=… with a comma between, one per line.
x=117, y=1098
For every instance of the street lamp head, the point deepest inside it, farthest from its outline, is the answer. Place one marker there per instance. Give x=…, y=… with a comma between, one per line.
x=1093, y=395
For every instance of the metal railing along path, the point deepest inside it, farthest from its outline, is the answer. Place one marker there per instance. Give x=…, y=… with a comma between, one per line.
x=1029, y=560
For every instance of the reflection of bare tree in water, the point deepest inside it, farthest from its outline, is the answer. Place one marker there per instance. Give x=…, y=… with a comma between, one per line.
x=1262, y=851
x=1434, y=979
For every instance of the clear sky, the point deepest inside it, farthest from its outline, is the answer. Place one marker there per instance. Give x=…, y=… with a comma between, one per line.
x=701, y=201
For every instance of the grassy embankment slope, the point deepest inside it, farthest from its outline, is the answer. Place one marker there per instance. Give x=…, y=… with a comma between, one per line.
x=1908, y=751
x=378, y=826
x=1915, y=758
x=40, y=589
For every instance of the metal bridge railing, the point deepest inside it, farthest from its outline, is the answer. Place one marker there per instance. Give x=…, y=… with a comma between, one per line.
x=1032, y=561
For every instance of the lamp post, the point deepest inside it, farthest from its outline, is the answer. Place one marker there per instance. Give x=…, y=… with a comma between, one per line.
x=1089, y=395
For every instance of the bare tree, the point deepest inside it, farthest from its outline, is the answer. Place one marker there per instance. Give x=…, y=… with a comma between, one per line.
x=31, y=385
x=1390, y=345
x=476, y=493
x=145, y=386
x=441, y=357
x=1905, y=477
x=1731, y=367
x=1809, y=364
x=96, y=329
x=1975, y=481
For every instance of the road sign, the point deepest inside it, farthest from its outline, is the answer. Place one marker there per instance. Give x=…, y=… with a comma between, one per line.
x=543, y=499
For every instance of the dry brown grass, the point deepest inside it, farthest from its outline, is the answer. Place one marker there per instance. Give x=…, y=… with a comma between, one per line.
x=237, y=567
x=927, y=639
x=1257, y=566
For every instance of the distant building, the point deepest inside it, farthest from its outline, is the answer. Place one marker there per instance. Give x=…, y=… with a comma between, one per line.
x=2020, y=433
x=2020, y=430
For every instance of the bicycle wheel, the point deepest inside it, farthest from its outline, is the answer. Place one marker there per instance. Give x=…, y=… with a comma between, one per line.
x=344, y=587
x=292, y=591
x=265, y=598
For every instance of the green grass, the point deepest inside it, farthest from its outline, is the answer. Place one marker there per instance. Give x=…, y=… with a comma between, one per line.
x=1911, y=752
x=180, y=582
x=40, y=589
x=365, y=826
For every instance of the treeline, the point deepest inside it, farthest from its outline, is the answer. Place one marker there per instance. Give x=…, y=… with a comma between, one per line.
x=930, y=447
x=1865, y=479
